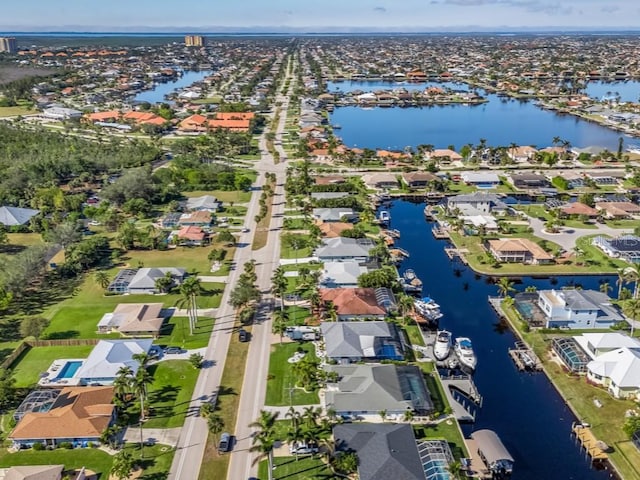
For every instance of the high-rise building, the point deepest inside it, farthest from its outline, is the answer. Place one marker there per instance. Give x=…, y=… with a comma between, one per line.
x=8, y=45
x=194, y=41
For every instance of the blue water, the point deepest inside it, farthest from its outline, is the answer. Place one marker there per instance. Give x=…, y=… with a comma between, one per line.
x=523, y=409
x=501, y=121
x=69, y=369
x=157, y=94
x=350, y=86
x=629, y=90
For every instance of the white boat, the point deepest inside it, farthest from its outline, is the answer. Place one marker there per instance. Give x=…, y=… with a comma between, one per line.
x=443, y=344
x=410, y=282
x=428, y=309
x=384, y=216
x=464, y=351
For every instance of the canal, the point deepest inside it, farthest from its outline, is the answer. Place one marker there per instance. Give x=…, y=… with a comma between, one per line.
x=157, y=94
x=524, y=409
x=501, y=121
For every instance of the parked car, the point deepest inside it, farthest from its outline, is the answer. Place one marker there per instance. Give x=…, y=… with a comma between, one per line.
x=245, y=230
x=301, y=448
x=225, y=443
x=243, y=335
x=172, y=350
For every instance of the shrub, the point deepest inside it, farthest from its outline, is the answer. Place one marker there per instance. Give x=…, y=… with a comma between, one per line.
x=66, y=445
x=38, y=446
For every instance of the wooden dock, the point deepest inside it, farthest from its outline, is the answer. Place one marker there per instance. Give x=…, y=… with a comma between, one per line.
x=457, y=253
x=524, y=358
x=594, y=448
x=440, y=233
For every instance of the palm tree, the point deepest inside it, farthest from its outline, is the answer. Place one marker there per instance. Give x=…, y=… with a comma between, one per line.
x=140, y=382
x=409, y=416
x=294, y=434
x=189, y=290
x=383, y=414
x=620, y=281
x=263, y=439
x=605, y=287
x=631, y=309
x=102, y=278
x=215, y=424
x=505, y=286
x=280, y=319
x=331, y=311
x=122, y=465
x=122, y=385
x=406, y=304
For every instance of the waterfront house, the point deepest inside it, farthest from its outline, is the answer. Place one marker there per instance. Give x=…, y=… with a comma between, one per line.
x=15, y=216
x=578, y=309
x=333, y=229
x=481, y=179
x=385, y=181
x=329, y=180
x=385, y=451
x=367, y=389
x=342, y=249
x=77, y=415
x=626, y=247
x=597, y=344
x=419, y=179
x=359, y=303
x=61, y=113
x=341, y=274
x=170, y=220
x=334, y=214
x=521, y=154
x=579, y=209
x=443, y=155
x=518, y=250
x=476, y=204
x=32, y=472
x=528, y=181
x=618, y=210
x=133, y=320
x=618, y=371
x=355, y=341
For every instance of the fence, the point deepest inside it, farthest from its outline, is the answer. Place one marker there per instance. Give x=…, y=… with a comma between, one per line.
x=27, y=344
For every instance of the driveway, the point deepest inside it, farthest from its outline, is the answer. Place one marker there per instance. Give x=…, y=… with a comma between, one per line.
x=567, y=238
x=165, y=436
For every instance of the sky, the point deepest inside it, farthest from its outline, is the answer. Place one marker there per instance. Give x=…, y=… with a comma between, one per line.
x=330, y=15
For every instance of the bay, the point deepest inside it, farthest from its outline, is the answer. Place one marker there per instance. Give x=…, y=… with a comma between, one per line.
x=157, y=94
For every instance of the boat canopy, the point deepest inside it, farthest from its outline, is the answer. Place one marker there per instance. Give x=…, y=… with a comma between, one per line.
x=491, y=447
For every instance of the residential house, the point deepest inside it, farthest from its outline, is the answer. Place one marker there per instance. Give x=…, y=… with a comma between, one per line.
x=189, y=236
x=335, y=214
x=386, y=181
x=341, y=274
x=476, y=204
x=368, y=389
x=170, y=220
x=143, y=118
x=360, y=303
x=582, y=309
x=521, y=154
x=15, y=216
x=579, y=209
x=419, y=179
x=481, y=179
x=342, y=249
x=597, y=344
x=108, y=357
x=528, y=181
x=354, y=341
x=61, y=113
x=626, y=247
x=618, y=210
x=144, y=280
x=207, y=203
x=444, y=155
x=77, y=415
x=618, y=371
x=385, y=451
x=333, y=229
x=32, y=472
x=133, y=319
x=329, y=180
x=328, y=195
x=199, y=218
x=519, y=250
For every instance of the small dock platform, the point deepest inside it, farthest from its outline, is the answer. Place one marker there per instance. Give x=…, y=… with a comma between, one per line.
x=594, y=448
x=524, y=358
x=463, y=396
x=440, y=233
x=457, y=253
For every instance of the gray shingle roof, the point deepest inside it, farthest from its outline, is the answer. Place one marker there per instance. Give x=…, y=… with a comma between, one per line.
x=384, y=451
x=11, y=216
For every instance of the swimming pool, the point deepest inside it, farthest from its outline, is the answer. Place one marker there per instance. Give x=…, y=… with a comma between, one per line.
x=525, y=308
x=69, y=369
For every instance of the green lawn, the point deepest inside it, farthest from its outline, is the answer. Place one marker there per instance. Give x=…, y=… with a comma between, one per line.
x=189, y=258
x=281, y=377
x=446, y=430
x=305, y=468
x=235, y=196
x=27, y=368
x=170, y=393
x=15, y=111
x=77, y=316
x=415, y=336
x=92, y=459
x=176, y=333
x=287, y=252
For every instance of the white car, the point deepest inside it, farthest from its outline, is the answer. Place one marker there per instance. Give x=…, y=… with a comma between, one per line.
x=301, y=448
x=245, y=230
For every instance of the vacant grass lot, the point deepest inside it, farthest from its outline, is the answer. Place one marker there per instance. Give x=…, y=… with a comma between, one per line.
x=281, y=377
x=305, y=468
x=189, y=258
x=77, y=316
x=176, y=333
x=28, y=367
x=15, y=111
x=170, y=393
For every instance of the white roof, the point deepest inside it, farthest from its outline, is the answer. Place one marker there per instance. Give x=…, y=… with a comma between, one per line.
x=108, y=356
x=622, y=366
x=478, y=220
x=480, y=177
x=605, y=341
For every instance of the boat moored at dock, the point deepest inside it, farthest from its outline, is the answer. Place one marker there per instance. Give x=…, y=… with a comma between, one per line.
x=442, y=347
x=465, y=353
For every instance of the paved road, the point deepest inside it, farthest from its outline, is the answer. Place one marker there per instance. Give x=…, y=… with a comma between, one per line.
x=567, y=239
x=191, y=445
x=255, y=376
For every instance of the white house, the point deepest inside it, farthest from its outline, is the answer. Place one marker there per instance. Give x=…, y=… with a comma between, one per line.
x=578, y=309
x=618, y=371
